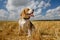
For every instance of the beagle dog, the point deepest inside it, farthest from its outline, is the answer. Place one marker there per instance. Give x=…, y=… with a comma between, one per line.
x=25, y=24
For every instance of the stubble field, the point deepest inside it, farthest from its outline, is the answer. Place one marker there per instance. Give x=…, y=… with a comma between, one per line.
x=44, y=30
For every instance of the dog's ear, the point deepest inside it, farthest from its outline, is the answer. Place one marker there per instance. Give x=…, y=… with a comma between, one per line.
x=22, y=13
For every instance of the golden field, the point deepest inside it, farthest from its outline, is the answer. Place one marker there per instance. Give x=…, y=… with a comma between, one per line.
x=44, y=30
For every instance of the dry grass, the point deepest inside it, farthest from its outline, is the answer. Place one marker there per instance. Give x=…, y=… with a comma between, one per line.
x=45, y=30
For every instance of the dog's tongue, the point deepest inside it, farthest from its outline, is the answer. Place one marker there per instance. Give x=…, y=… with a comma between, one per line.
x=32, y=15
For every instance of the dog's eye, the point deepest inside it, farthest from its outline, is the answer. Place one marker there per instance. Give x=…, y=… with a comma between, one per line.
x=28, y=9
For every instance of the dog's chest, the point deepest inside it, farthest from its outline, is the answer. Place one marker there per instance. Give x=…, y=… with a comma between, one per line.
x=22, y=22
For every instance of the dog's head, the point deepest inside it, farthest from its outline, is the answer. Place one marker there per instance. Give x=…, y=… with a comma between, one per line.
x=27, y=13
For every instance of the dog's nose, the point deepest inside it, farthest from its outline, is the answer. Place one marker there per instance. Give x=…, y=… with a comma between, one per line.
x=33, y=10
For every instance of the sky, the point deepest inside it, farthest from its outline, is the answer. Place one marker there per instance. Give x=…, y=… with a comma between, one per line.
x=43, y=9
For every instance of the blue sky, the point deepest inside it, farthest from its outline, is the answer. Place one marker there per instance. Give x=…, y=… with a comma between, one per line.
x=55, y=3
x=47, y=9
x=3, y=4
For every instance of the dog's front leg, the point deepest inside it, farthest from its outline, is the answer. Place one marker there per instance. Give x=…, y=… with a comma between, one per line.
x=19, y=28
x=29, y=32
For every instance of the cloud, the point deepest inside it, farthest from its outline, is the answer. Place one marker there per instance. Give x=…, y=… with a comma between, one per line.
x=50, y=14
x=53, y=13
x=33, y=4
x=12, y=16
x=9, y=5
x=18, y=3
x=43, y=4
x=15, y=6
x=39, y=6
x=3, y=14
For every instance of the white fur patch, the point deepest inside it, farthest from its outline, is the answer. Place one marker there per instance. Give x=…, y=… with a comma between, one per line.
x=21, y=22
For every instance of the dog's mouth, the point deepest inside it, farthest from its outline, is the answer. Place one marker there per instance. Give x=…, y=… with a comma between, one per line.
x=32, y=15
